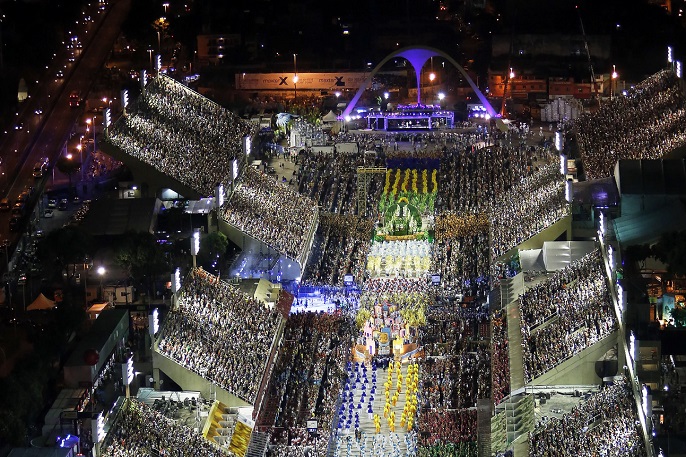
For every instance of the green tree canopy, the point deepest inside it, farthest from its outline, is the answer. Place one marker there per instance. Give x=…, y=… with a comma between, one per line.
x=213, y=251
x=68, y=166
x=671, y=250
x=679, y=316
x=64, y=248
x=142, y=257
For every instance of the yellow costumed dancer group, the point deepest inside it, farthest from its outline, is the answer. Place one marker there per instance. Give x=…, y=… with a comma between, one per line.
x=410, y=408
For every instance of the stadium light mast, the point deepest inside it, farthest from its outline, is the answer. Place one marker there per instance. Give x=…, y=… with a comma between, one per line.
x=195, y=247
x=295, y=77
x=218, y=200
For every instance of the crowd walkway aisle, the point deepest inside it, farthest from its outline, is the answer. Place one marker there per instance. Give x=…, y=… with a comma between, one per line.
x=370, y=444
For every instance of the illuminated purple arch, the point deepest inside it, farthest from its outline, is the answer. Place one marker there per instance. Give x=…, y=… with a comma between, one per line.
x=417, y=56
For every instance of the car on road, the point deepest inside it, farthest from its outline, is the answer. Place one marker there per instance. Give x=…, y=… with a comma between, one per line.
x=64, y=204
x=15, y=223
x=38, y=111
x=59, y=74
x=5, y=204
x=47, y=213
x=52, y=203
x=72, y=57
x=19, y=126
x=18, y=208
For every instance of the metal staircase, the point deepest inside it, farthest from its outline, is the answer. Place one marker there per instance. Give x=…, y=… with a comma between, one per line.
x=258, y=444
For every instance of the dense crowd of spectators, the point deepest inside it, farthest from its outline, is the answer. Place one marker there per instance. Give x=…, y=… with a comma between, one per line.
x=455, y=374
x=495, y=192
x=500, y=358
x=140, y=431
x=308, y=379
x=181, y=134
x=220, y=333
x=460, y=253
x=605, y=425
x=330, y=180
x=272, y=213
x=340, y=248
x=647, y=123
x=447, y=426
x=528, y=208
x=561, y=288
x=472, y=176
x=415, y=144
x=467, y=449
x=565, y=314
x=456, y=381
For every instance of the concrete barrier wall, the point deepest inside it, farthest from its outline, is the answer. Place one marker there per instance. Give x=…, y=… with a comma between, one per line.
x=151, y=180
x=189, y=380
x=552, y=233
x=580, y=369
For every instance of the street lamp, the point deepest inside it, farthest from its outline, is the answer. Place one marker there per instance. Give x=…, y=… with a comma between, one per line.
x=615, y=75
x=150, y=52
x=80, y=149
x=89, y=122
x=295, y=87
x=101, y=272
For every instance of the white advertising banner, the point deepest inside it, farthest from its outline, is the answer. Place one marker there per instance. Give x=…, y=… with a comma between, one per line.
x=306, y=81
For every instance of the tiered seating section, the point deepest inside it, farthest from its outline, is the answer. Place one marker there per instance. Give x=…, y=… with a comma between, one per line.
x=273, y=213
x=181, y=134
x=221, y=334
x=565, y=314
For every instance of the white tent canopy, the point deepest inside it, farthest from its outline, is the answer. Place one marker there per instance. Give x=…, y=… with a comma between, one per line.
x=41, y=302
x=330, y=117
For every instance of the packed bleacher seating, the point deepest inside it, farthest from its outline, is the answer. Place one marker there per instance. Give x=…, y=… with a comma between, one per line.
x=143, y=431
x=181, y=134
x=495, y=192
x=308, y=378
x=272, y=213
x=340, y=248
x=220, y=333
x=648, y=123
x=473, y=177
x=500, y=362
x=466, y=449
x=330, y=180
x=604, y=425
x=460, y=252
x=456, y=382
x=447, y=426
x=528, y=208
x=565, y=314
